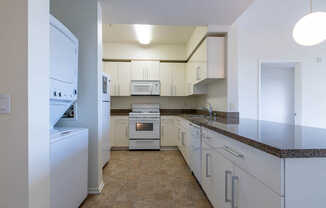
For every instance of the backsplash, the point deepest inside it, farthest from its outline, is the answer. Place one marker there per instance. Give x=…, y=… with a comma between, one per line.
x=165, y=102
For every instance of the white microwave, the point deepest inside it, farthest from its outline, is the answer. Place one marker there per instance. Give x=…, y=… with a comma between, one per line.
x=145, y=88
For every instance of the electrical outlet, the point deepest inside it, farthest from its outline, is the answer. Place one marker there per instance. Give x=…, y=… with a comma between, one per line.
x=319, y=59
x=5, y=104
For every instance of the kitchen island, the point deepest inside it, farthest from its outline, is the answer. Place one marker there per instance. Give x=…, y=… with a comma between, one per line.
x=256, y=164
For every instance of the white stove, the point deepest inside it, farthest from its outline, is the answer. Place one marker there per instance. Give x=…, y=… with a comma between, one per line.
x=144, y=127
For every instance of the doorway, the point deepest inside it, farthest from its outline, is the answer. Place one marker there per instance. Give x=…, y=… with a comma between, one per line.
x=277, y=93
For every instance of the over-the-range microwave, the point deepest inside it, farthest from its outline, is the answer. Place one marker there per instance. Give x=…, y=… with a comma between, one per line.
x=145, y=88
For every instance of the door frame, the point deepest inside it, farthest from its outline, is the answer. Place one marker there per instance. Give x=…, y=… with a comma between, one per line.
x=297, y=66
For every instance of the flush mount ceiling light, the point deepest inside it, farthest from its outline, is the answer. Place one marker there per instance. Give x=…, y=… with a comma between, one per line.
x=144, y=33
x=311, y=29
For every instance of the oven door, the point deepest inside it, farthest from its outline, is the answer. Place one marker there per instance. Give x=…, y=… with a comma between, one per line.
x=144, y=128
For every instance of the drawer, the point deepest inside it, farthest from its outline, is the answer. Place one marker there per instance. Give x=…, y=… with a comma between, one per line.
x=265, y=167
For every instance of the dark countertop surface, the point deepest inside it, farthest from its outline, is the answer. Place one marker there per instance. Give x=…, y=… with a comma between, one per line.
x=281, y=140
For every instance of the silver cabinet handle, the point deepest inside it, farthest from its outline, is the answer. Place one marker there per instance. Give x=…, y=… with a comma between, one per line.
x=232, y=152
x=235, y=179
x=207, y=164
x=227, y=174
x=119, y=89
x=183, y=138
x=175, y=90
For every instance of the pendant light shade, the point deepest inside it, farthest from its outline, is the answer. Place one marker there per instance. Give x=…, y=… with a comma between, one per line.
x=311, y=29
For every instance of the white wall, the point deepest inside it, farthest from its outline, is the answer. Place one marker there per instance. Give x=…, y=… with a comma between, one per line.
x=195, y=38
x=165, y=102
x=82, y=18
x=24, y=143
x=216, y=96
x=264, y=31
x=137, y=51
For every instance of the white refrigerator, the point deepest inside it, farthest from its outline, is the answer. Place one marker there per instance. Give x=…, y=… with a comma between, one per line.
x=106, y=114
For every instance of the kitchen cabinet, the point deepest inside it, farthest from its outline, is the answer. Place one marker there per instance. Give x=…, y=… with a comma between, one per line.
x=251, y=193
x=183, y=140
x=207, y=64
x=145, y=70
x=172, y=76
x=119, y=131
x=168, y=131
x=229, y=178
x=120, y=73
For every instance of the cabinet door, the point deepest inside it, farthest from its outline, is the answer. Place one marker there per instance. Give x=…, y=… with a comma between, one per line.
x=121, y=138
x=166, y=79
x=222, y=181
x=137, y=70
x=207, y=171
x=152, y=70
x=178, y=76
x=251, y=193
x=168, y=132
x=124, y=79
x=111, y=68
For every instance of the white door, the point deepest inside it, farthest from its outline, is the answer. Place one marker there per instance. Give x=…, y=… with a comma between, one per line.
x=178, y=79
x=153, y=70
x=124, y=79
x=166, y=79
x=222, y=181
x=251, y=193
x=207, y=171
x=121, y=138
x=168, y=132
x=137, y=70
x=277, y=94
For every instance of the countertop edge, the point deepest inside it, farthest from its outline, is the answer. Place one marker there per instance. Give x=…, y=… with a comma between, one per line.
x=286, y=153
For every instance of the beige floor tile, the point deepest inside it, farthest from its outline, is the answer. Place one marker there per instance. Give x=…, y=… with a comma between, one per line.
x=148, y=179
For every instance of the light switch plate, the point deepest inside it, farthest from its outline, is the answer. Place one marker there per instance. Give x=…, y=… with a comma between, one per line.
x=5, y=104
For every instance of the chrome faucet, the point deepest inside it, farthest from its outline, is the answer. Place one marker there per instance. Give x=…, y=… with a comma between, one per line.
x=210, y=110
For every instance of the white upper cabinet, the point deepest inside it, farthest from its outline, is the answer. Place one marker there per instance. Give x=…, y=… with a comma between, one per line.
x=120, y=73
x=145, y=70
x=205, y=65
x=172, y=76
x=124, y=71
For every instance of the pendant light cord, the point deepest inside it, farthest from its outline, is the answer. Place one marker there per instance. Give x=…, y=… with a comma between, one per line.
x=310, y=6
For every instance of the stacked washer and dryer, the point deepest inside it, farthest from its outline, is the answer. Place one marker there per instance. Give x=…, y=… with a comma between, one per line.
x=68, y=146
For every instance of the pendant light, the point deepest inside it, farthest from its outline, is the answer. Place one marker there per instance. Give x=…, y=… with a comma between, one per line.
x=311, y=29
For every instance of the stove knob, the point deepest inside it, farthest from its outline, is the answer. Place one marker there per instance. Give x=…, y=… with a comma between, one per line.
x=60, y=94
x=54, y=93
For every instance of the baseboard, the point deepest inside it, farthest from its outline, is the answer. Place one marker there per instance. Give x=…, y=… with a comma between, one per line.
x=169, y=148
x=127, y=148
x=97, y=190
x=119, y=148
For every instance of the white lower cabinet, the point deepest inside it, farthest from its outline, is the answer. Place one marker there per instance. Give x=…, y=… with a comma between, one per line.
x=119, y=131
x=168, y=131
x=229, y=185
x=251, y=193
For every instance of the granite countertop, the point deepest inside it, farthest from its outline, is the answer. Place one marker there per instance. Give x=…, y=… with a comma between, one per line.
x=281, y=140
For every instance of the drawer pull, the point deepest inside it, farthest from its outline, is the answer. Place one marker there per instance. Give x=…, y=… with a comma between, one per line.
x=234, y=153
x=207, y=165
x=235, y=181
x=227, y=174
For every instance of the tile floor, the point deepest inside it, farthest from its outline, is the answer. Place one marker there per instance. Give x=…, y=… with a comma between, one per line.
x=146, y=179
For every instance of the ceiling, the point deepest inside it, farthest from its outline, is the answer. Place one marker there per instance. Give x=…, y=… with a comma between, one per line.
x=160, y=34
x=173, y=12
